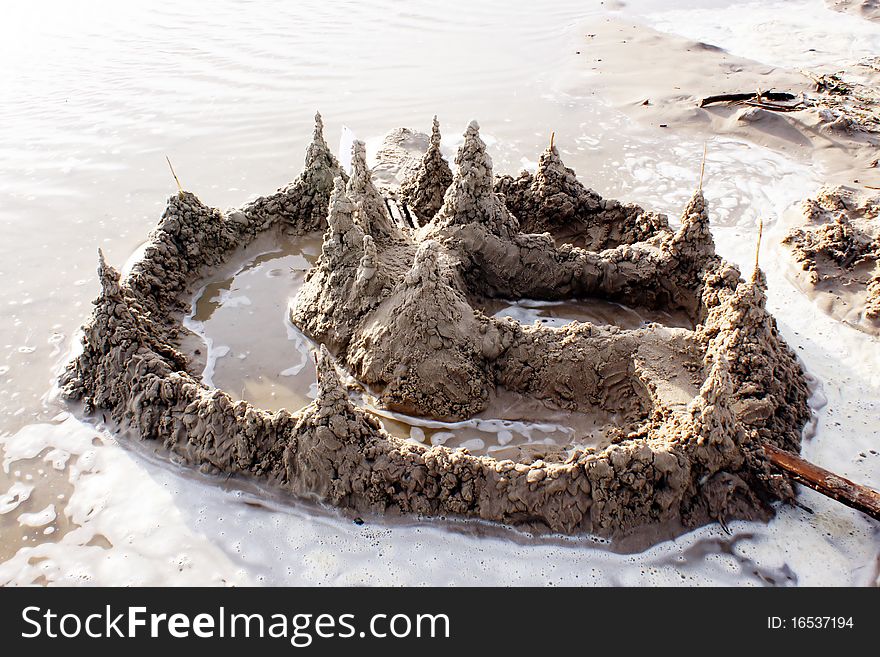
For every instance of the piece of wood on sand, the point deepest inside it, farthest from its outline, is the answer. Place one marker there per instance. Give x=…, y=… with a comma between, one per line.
x=775, y=96
x=854, y=495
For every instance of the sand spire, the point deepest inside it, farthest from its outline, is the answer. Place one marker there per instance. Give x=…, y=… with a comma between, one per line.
x=471, y=197
x=372, y=214
x=424, y=189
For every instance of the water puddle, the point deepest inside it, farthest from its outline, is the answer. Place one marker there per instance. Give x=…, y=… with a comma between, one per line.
x=253, y=352
x=594, y=311
x=512, y=427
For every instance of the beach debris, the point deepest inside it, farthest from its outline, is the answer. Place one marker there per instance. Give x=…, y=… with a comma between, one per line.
x=703, y=165
x=843, y=103
x=829, y=83
x=846, y=102
x=769, y=100
x=758, y=242
x=176, y=179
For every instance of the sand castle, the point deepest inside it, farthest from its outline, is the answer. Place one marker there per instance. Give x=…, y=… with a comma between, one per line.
x=396, y=305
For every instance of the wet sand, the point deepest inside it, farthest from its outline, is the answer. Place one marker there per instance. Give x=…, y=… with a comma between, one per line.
x=868, y=9
x=61, y=176
x=243, y=343
x=833, y=245
x=675, y=74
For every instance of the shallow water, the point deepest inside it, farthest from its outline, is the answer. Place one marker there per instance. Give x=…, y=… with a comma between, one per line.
x=511, y=427
x=595, y=311
x=96, y=94
x=251, y=349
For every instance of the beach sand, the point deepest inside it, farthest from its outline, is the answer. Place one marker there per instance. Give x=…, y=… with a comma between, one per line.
x=230, y=101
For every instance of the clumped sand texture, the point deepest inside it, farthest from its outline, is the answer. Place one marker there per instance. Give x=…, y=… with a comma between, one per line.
x=837, y=250
x=398, y=308
x=423, y=190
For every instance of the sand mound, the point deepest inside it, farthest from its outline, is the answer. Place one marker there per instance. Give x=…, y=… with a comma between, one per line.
x=837, y=250
x=398, y=307
x=867, y=9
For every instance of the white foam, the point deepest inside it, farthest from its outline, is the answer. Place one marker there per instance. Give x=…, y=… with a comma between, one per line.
x=18, y=492
x=38, y=518
x=117, y=500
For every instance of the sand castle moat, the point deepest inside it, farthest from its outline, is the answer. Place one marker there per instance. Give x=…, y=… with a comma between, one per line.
x=401, y=305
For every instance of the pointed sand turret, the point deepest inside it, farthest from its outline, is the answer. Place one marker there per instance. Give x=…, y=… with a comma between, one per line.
x=372, y=214
x=471, y=199
x=424, y=189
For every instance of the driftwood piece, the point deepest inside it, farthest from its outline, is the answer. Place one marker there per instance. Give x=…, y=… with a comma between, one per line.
x=753, y=96
x=819, y=479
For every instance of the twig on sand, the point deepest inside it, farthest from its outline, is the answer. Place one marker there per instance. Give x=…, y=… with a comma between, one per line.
x=758, y=246
x=703, y=164
x=854, y=495
x=176, y=179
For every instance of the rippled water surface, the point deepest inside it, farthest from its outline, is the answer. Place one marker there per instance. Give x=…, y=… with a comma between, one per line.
x=96, y=94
